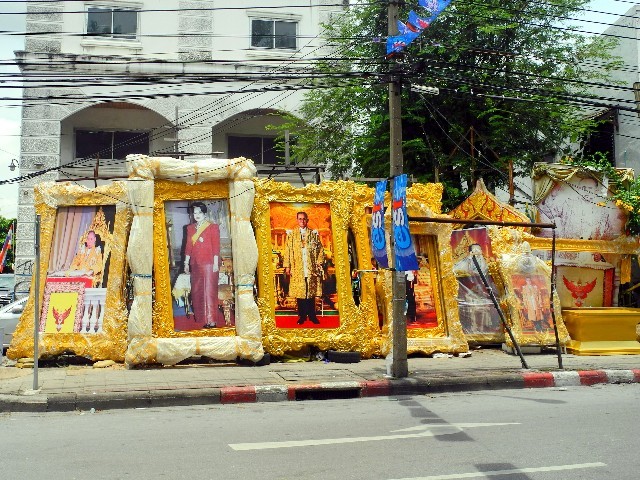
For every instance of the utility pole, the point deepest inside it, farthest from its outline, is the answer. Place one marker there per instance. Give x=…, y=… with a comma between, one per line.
x=399, y=364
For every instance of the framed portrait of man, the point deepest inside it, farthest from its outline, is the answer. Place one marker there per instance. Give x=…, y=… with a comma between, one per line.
x=478, y=315
x=533, y=300
x=479, y=318
x=433, y=323
x=82, y=269
x=304, y=286
x=431, y=308
x=527, y=283
x=304, y=269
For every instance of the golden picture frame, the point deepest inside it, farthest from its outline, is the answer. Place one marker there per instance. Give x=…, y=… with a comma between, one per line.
x=353, y=329
x=619, y=251
x=153, y=182
x=371, y=305
x=167, y=192
x=527, y=285
x=105, y=335
x=480, y=320
x=424, y=200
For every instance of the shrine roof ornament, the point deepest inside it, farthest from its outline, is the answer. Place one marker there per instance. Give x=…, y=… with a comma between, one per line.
x=483, y=205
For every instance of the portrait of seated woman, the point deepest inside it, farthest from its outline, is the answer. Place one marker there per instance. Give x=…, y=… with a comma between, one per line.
x=87, y=262
x=86, y=257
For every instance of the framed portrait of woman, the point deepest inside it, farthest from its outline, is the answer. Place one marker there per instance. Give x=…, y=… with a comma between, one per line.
x=193, y=256
x=82, y=269
x=195, y=290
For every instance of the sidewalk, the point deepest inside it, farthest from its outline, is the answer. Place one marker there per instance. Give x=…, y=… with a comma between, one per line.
x=82, y=387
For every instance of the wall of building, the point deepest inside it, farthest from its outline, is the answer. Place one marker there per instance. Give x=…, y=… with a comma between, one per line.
x=627, y=139
x=169, y=44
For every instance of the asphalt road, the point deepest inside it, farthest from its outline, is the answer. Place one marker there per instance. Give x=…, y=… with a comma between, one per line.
x=572, y=433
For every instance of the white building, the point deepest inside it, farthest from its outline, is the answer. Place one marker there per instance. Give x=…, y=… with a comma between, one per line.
x=202, y=77
x=619, y=133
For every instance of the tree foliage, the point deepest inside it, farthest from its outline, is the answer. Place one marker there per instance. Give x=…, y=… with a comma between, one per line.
x=511, y=71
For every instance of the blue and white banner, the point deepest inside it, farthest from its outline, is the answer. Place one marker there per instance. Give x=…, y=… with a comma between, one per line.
x=405, y=254
x=378, y=239
x=409, y=31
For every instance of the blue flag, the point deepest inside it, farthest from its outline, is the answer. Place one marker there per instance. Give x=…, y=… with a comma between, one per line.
x=403, y=245
x=396, y=44
x=410, y=30
x=434, y=6
x=405, y=28
x=378, y=239
x=418, y=22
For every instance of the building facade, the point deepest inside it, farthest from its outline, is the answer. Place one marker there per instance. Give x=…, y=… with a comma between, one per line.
x=617, y=134
x=197, y=79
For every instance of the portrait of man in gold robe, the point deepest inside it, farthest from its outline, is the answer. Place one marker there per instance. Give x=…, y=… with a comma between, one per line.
x=303, y=264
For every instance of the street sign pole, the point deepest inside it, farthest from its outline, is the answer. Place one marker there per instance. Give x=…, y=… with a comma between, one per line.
x=36, y=296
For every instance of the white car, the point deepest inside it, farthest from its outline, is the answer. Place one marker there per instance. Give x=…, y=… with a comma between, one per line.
x=9, y=316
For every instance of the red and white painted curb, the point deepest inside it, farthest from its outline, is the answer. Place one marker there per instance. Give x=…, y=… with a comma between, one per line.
x=578, y=378
x=373, y=388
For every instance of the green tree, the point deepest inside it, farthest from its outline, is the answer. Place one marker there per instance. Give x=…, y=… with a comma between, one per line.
x=510, y=71
x=5, y=223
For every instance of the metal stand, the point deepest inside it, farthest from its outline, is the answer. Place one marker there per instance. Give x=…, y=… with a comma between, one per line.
x=551, y=304
x=497, y=305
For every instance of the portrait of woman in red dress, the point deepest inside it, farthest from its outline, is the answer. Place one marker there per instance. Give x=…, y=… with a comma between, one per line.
x=202, y=263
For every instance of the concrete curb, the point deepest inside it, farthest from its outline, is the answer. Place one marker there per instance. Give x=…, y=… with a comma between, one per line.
x=168, y=397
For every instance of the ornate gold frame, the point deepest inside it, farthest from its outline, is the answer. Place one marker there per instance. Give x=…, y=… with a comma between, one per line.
x=355, y=330
x=483, y=205
x=359, y=223
x=510, y=265
x=448, y=335
x=111, y=343
x=151, y=335
x=162, y=311
x=425, y=200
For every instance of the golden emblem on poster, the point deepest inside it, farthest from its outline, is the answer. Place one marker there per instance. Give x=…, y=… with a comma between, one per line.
x=81, y=273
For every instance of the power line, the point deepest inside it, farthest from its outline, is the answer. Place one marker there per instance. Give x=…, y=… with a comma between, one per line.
x=80, y=161
x=173, y=10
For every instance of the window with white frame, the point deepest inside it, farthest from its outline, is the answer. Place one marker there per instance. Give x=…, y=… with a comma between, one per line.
x=112, y=22
x=275, y=34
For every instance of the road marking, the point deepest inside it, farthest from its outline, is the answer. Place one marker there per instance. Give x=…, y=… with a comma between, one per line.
x=429, y=431
x=428, y=426
x=556, y=468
